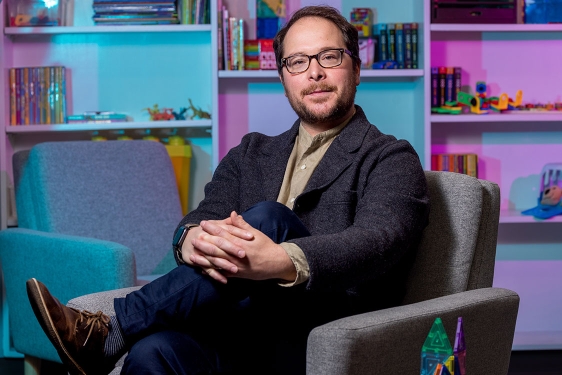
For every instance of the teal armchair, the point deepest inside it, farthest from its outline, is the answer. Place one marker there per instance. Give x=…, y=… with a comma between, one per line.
x=100, y=214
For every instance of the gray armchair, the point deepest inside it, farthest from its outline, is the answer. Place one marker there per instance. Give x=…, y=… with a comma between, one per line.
x=452, y=277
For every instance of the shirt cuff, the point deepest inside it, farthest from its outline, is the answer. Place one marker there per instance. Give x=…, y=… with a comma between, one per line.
x=299, y=260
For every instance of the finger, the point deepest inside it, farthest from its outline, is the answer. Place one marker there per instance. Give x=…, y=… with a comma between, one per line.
x=224, y=228
x=216, y=263
x=201, y=261
x=217, y=242
x=215, y=275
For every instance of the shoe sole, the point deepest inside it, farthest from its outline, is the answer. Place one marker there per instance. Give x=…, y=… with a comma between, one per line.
x=44, y=318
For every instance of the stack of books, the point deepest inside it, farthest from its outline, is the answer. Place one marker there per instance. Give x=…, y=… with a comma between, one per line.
x=459, y=163
x=231, y=41
x=194, y=12
x=97, y=117
x=135, y=12
x=396, y=46
x=37, y=95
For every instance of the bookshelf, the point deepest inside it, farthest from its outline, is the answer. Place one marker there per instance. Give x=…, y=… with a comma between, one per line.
x=253, y=98
x=119, y=68
x=512, y=149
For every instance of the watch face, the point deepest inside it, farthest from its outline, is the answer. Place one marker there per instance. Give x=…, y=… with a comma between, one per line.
x=179, y=236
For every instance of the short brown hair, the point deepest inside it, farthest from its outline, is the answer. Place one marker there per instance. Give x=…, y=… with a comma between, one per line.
x=349, y=32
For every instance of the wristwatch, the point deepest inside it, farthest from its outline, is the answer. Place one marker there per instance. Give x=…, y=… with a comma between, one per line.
x=179, y=237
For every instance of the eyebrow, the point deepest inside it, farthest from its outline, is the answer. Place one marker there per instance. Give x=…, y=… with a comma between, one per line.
x=320, y=50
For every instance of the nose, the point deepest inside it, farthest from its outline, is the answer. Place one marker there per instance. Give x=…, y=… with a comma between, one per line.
x=315, y=70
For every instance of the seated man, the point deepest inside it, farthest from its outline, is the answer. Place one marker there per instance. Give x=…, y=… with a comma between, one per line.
x=332, y=213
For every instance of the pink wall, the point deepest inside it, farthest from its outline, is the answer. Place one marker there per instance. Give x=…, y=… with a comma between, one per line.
x=510, y=154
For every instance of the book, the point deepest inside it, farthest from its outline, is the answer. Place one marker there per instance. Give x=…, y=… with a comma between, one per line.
x=399, y=45
x=13, y=107
x=449, y=85
x=391, y=42
x=442, y=75
x=382, y=32
x=434, y=87
x=457, y=73
x=415, y=64
x=408, y=46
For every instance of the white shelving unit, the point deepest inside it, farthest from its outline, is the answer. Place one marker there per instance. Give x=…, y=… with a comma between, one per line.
x=527, y=261
x=16, y=41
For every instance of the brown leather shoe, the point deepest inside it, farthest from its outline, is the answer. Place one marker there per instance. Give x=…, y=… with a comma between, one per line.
x=78, y=336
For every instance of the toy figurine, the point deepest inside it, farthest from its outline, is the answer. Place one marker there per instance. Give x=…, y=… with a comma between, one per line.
x=160, y=115
x=181, y=114
x=198, y=112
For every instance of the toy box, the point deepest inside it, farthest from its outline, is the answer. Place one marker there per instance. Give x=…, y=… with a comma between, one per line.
x=24, y=13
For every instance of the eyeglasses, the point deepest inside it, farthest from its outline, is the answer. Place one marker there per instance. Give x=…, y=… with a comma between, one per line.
x=329, y=58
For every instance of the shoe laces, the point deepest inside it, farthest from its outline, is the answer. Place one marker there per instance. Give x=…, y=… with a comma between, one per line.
x=93, y=320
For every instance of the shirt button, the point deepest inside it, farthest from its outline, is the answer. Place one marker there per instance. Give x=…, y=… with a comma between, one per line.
x=303, y=166
x=292, y=200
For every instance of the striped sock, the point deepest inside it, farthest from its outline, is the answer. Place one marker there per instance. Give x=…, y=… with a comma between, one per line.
x=114, y=343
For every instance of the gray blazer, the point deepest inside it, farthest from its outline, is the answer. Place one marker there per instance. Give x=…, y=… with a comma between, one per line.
x=365, y=205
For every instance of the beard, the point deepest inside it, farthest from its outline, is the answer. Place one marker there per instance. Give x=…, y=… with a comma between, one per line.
x=344, y=101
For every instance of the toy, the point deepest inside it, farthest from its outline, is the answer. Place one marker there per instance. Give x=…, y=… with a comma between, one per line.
x=181, y=114
x=436, y=348
x=480, y=104
x=198, y=112
x=549, y=202
x=437, y=357
x=160, y=115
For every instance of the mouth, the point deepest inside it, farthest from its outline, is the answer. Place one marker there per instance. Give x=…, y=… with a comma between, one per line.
x=318, y=91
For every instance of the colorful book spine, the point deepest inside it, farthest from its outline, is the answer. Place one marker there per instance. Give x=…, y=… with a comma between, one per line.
x=13, y=104
x=383, y=45
x=226, y=39
x=408, y=46
x=434, y=87
x=240, y=49
x=449, y=85
x=457, y=73
x=234, y=32
x=442, y=85
x=220, y=52
x=415, y=64
x=458, y=163
x=391, y=42
x=25, y=96
x=400, y=45
x=32, y=96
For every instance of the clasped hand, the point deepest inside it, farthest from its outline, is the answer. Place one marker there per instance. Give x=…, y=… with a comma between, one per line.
x=233, y=248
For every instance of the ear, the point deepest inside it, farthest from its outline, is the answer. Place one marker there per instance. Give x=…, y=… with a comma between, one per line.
x=357, y=72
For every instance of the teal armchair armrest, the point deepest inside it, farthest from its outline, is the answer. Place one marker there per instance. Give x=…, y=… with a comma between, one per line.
x=70, y=266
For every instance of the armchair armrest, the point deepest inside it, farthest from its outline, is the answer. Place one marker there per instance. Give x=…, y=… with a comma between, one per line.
x=102, y=301
x=390, y=340
x=69, y=266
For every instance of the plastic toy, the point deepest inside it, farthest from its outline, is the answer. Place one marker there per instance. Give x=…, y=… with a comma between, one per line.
x=181, y=114
x=549, y=202
x=480, y=104
x=160, y=115
x=437, y=357
x=198, y=112
x=436, y=348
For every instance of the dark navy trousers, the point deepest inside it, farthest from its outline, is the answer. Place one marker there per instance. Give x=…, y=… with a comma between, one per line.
x=186, y=323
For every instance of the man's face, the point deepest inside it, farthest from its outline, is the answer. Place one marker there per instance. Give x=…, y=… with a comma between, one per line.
x=320, y=96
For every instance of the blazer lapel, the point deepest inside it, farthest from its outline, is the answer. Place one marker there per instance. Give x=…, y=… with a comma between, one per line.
x=273, y=161
x=341, y=152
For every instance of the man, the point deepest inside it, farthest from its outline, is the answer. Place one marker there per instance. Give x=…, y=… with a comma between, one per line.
x=332, y=214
